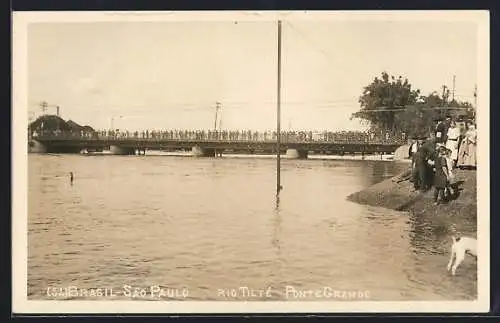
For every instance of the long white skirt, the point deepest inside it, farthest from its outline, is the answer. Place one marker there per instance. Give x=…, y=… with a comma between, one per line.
x=453, y=146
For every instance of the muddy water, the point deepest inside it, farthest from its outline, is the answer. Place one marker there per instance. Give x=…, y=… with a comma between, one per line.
x=210, y=229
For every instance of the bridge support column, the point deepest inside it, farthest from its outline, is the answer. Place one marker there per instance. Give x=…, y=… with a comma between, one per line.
x=116, y=150
x=296, y=153
x=35, y=146
x=139, y=151
x=197, y=151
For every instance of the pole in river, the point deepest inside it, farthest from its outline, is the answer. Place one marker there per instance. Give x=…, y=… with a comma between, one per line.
x=278, y=119
x=217, y=107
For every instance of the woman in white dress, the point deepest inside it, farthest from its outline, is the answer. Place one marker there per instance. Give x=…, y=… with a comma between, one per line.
x=467, y=154
x=453, y=136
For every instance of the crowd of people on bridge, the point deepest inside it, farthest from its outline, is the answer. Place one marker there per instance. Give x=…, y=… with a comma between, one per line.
x=451, y=145
x=248, y=135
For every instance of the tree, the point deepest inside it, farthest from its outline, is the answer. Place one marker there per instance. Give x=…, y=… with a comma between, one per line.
x=382, y=99
x=394, y=106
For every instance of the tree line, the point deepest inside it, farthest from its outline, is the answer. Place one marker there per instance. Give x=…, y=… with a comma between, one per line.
x=391, y=104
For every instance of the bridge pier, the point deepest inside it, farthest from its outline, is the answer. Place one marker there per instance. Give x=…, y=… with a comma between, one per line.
x=35, y=146
x=197, y=151
x=116, y=150
x=140, y=151
x=296, y=154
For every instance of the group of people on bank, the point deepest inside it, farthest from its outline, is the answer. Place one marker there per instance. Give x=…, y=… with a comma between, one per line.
x=451, y=145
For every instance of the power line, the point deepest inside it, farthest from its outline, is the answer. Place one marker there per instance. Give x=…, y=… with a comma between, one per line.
x=309, y=41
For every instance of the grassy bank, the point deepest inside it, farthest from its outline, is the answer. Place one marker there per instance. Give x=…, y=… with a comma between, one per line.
x=397, y=193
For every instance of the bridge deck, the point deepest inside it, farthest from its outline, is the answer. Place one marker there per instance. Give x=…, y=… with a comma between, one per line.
x=55, y=143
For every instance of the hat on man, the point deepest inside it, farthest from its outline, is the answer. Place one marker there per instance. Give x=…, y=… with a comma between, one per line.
x=438, y=119
x=444, y=149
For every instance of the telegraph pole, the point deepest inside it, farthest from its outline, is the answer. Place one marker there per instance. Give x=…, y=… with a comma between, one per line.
x=444, y=93
x=475, y=102
x=220, y=119
x=278, y=119
x=217, y=107
x=43, y=106
x=453, y=90
x=30, y=120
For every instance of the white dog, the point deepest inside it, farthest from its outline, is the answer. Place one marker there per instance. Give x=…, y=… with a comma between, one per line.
x=461, y=246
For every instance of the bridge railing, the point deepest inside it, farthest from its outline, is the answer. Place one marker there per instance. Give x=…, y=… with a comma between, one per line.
x=231, y=136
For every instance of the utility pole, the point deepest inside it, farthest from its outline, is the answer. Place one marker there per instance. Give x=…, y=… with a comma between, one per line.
x=475, y=102
x=43, y=106
x=217, y=107
x=220, y=118
x=57, y=109
x=30, y=120
x=453, y=90
x=278, y=119
x=112, y=121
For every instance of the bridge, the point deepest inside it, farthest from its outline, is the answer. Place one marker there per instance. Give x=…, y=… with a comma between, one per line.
x=294, y=146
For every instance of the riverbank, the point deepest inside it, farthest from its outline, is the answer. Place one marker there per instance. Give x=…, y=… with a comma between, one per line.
x=397, y=193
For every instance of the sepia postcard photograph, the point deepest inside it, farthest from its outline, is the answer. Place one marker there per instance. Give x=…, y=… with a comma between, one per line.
x=250, y=162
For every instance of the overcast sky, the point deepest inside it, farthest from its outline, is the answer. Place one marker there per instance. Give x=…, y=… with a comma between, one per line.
x=170, y=74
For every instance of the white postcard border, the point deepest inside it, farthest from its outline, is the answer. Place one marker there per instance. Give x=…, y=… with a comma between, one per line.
x=21, y=305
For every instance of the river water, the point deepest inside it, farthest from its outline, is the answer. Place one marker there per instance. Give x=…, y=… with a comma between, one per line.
x=210, y=229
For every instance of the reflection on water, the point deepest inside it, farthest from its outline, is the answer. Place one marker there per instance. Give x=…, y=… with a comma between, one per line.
x=208, y=226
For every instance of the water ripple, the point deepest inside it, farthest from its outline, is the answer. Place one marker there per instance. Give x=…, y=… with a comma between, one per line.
x=211, y=224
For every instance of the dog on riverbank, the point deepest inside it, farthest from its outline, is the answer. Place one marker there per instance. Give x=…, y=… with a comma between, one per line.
x=460, y=247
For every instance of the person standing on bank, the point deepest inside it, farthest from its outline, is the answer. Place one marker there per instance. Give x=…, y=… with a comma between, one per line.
x=467, y=152
x=423, y=155
x=414, y=154
x=413, y=147
x=440, y=131
x=451, y=176
x=453, y=136
x=462, y=129
x=441, y=177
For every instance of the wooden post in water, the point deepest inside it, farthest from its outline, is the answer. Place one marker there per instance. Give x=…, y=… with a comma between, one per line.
x=278, y=117
x=217, y=107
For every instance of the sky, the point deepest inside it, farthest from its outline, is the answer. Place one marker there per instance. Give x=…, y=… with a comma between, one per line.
x=169, y=75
